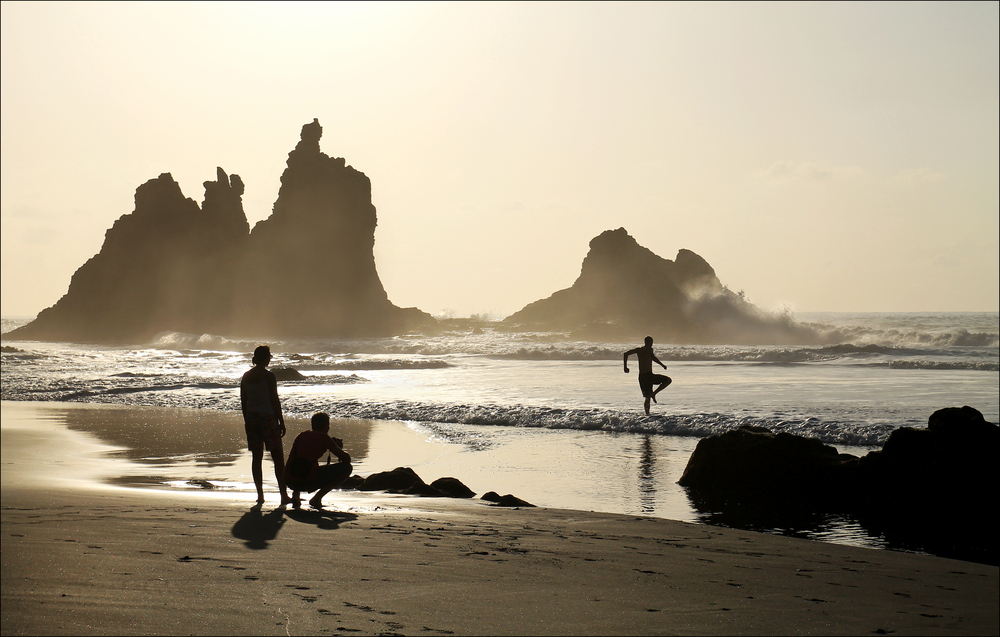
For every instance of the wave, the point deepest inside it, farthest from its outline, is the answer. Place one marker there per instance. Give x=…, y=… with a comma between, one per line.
x=936, y=336
x=891, y=336
x=698, y=425
x=187, y=393
x=189, y=341
x=176, y=391
x=14, y=354
x=846, y=352
x=9, y=324
x=373, y=365
x=435, y=355
x=978, y=366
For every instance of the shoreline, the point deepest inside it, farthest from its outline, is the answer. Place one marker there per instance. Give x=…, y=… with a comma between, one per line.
x=80, y=559
x=163, y=449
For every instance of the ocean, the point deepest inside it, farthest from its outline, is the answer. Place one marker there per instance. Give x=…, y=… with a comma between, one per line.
x=553, y=420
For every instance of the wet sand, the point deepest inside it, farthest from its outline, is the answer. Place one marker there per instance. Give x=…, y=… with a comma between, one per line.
x=81, y=558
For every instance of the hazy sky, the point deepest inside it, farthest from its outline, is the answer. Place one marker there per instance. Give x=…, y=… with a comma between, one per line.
x=824, y=157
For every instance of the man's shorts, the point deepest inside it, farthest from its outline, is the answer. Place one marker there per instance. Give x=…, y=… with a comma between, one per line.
x=648, y=379
x=263, y=431
x=326, y=475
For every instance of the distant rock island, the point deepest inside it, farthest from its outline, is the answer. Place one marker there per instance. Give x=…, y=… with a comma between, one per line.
x=626, y=291
x=308, y=270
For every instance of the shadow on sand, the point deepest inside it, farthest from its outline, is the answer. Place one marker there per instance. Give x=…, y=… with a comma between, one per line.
x=257, y=528
x=322, y=518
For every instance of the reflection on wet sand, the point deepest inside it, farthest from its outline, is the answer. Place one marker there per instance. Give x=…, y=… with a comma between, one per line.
x=207, y=442
x=647, y=477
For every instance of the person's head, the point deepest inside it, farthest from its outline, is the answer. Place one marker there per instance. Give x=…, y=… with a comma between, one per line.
x=262, y=355
x=649, y=341
x=320, y=421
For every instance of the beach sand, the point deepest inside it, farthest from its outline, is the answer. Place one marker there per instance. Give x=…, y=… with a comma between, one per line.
x=82, y=558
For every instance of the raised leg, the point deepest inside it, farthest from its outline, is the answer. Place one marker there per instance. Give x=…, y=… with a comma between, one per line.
x=661, y=388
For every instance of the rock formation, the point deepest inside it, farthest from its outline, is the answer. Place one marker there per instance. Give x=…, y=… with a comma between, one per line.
x=933, y=488
x=312, y=265
x=306, y=271
x=406, y=481
x=625, y=291
x=754, y=460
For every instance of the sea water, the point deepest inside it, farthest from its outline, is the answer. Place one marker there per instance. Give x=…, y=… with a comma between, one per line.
x=549, y=418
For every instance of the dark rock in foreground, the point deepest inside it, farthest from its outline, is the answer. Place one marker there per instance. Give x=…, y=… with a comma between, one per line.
x=308, y=270
x=752, y=460
x=505, y=500
x=405, y=480
x=933, y=488
x=624, y=291
x=396, y=481
x=352, y=482
x=453, y=488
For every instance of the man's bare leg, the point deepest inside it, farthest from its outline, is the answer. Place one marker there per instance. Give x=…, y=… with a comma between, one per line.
x=645, y=404
x=257, y=469
x=661, y=388
x=316, y=501
x=278, y=456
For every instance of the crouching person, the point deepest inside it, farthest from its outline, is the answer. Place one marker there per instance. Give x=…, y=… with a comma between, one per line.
x=303, y=471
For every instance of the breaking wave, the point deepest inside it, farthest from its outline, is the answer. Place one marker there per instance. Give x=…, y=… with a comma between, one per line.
x=698, y=425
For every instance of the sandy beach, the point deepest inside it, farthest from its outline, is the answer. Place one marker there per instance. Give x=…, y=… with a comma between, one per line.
x=80, y=557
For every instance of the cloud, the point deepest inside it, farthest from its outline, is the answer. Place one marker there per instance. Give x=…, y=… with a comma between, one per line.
x=785, y=172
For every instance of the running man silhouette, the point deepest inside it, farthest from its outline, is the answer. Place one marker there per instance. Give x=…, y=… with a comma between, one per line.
x=646, y=376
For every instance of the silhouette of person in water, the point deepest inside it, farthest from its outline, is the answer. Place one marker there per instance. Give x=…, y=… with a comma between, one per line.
x=303, y=471
x=265, y=426
x=646, y=376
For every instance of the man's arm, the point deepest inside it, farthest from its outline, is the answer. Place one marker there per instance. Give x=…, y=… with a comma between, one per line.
x=337, y=447
x=273, y=382
x=658, y=361
x=625, y=358
x=243, y=398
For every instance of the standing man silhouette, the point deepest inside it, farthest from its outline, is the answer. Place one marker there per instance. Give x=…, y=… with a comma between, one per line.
x=264, y=423
x=646, y=376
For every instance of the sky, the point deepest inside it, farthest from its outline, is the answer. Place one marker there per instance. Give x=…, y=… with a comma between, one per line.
x=834, y=157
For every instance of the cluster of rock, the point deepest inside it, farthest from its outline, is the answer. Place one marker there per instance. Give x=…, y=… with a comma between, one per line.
x=406, y=481
x=170, y=265
x=933, y=487
x=308, y=270
x=625, y=290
